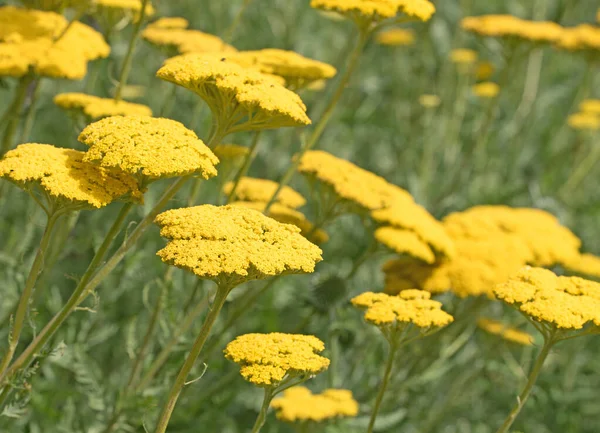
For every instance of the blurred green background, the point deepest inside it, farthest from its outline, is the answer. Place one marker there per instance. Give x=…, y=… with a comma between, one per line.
x=459, y=381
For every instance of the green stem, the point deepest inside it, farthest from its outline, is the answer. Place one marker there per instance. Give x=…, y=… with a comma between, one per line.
x=325, y=117
x=264, y=409
x=180, y=380
x=23, y=305
x=386, y=378
x=522, y=399
x=230, y=32
x=579, y=173
x=245, y=167
x=31, y=109
x=83, y=290
x=129, y=56
x=14, y=113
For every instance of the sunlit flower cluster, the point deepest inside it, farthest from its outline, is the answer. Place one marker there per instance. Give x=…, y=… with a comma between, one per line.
x=299, y=404
x=94, y=107
x=508, y=333
x=509, y=26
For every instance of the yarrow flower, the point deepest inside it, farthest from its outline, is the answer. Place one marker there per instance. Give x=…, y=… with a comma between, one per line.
x=230, y=151
x=513, y=335
x=261, y=190
x=486, y=89
x=94, y=107
x=584, y=264
x=268, y=359
x=509, y=26
x=148, y=148
x=484, y=71
x=65, y=178
x=240, y=99
x=299, y=405
x=405, y=242
x=463, y=56
x=555, y=302
x=429, y=101
x=233, y=244
x=396, y=37
x=583, y=37
x=590, y=106
x=585, y=120
x=32, y=39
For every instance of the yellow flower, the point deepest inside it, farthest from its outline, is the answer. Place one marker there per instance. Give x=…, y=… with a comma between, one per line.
x=581, y=37
x=486, y=89
x=510, y=334
x=232, y=244
x=230, y=151
x=267, y=359
x=170, y=23
x=297, y=71
x=396, y=37
x=299, y=405
x=147, y=147
x=65, y=176
x=410, y=307
x=28, y=40
x=235, y=93
x=585, y=264
x=463, y=56
x=584, y=120
x=261, y=190
x=404, y=242
x=560, y=302
x=287, y=215
x=124, y=5
x=173, y=35
x=484, y=71
x=95, y=107
x=590, y=106
x=429, y=101
x=405, y=273
x=513, y=27
x=367, y=12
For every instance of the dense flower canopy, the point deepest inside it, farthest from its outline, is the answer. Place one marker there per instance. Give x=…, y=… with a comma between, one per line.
x=298, y=404
x=511, y=26
x=150, y=147
x=409, y=307
x=248, y=99
x=267, y=359
x=94, y=107
x=232, y=244
x=261, y=190
x=508, y=333
x=65, y=176
x=34, y=39
x=559, y=302
x=297, y=70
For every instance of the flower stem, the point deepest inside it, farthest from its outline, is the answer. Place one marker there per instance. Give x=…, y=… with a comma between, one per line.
x=230, y=31
x=126, y=68
x=180, y=381
x=579, y=173
x=325, y=117
x=83, y=290
x=14, y=113
x=262, y=415
x=31, y=109
x=522, y=398
x=23, y=305
x=245, y=167
x=383, y=386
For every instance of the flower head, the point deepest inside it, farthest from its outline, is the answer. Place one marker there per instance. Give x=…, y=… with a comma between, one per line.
x=486, y=89
x=463, y=56
x=148, y=147
x=267, y=359
x=429, y=101
x=396, y=37
x=261, y=190
x=558, y=302
x=410, y=307
x=484, y=70
x=34, y=39
x=590, y=106
x=94, y=107
x=232, y=244
x=404, y=242
x=584, y=264
x=126, y=6
x=297, y=71
x=509, y=334
x=65, y=177
x=586, y=120
x=230, y=151
x=579, y=38
x=243, y=97
x=298, y=405
x=509, y=26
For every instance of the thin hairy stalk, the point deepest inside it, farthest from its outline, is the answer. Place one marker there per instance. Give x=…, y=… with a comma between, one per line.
x=245, y=167
x=14, y=113
x=23, y=305
x=264, y=409
x=384, y=383
x=126, y=68
x=526, y=392
x=180, y=380
x=325, y=117
x=83, y=290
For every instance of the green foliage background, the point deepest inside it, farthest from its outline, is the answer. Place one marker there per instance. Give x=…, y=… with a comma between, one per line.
x=459, y=381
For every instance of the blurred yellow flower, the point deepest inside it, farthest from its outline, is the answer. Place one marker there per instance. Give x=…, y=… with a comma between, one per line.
x=267, y=359
x=396, y=37
x=261, y=190
x=560, y=302
x=590, y=106
x=463, y=56
x=510, y=334
x=230, y=151
x=487, y=89
x=585, y=264
x=509, y=26
x=65, y=176
x=429, y=101
x=484, y=71
x=170, y=23
x=586, y=120
x=124, y=5
x=95, y=107
x=147, y=147
x=233, y=244
x=404, y=242
x=581, y=37
x=298, y=404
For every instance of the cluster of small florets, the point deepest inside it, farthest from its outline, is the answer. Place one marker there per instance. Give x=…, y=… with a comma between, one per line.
x=300, y=405
x=94, y=107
